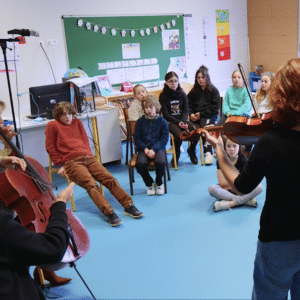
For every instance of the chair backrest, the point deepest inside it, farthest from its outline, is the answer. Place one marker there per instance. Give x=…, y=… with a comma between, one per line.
x=131, y=130
x=126, y=114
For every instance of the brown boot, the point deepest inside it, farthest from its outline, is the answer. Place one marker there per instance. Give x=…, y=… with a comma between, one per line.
x=51, y=277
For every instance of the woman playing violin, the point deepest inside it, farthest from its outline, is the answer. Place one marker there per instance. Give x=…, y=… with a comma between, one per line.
x=275, y=156
x=21, y=248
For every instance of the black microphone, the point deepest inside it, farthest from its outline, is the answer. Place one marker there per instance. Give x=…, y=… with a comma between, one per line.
x=24, y=32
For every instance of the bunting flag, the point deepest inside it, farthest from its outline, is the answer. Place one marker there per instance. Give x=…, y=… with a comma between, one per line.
x=123, y=31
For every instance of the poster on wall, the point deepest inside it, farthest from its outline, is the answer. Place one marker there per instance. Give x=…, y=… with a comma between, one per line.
x=178, y=65
x=170, y=39
x=223, y=34
x=130, y=51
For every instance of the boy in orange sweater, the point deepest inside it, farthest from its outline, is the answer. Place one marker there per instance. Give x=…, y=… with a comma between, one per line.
x=68, y=146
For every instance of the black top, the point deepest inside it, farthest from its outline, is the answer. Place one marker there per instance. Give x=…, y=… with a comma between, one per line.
x=174, y=105
x=21, y=248
x=276, y=156
x=152, y=134
x=206, y=101
x=242, y=160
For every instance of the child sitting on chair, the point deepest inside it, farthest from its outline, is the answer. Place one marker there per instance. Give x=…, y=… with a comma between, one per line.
x=135, y=110
x=150, y=138
x=68, y=146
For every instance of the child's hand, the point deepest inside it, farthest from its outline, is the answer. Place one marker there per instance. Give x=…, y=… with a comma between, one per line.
x=146, y=151
x=61, y=171
x=183, y=125
x=151, y=154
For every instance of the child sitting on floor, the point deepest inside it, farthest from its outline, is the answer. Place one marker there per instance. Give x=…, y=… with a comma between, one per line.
x=230, y=198
x=68, y=146
x=150, y=138
x=135, y=110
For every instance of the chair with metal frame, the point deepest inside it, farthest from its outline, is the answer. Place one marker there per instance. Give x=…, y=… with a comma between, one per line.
x=132, y=161
x=52, y=170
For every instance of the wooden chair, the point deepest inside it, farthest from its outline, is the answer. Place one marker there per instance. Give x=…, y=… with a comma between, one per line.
x=52, y=170
x=129, y=137
x=132, y=161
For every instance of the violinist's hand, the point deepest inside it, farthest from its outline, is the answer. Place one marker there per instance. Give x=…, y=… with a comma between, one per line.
x=214, y=138
x=12, y=162
x=66, y=194
x=61, y=171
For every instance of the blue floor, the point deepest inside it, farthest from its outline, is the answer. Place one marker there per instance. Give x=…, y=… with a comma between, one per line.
x=180, y=249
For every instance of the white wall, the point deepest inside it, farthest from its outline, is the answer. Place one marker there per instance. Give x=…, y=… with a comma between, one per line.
x=44, y=16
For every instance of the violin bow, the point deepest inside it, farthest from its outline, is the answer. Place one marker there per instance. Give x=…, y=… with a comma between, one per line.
x=246, y=83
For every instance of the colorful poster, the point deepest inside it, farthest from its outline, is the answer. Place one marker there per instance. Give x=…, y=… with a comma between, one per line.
x=223, y=34
x=170, y=39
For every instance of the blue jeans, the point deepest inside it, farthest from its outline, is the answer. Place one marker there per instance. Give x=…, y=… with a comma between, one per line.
x=277, y=270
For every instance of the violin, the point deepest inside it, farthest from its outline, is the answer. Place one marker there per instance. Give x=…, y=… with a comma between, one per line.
x=30, y=194
x=239, y=129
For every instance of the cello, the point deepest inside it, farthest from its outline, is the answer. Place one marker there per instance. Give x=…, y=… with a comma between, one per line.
x=239, y=129
x=29, y=193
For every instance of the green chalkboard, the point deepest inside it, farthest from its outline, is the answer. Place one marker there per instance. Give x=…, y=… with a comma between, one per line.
x=87, y=49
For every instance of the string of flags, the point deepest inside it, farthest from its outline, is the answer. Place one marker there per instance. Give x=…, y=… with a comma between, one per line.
x=123, y=31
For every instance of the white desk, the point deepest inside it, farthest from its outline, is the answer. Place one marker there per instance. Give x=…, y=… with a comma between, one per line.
x=33, y=136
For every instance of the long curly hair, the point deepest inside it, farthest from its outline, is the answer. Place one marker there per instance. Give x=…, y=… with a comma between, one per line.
x=285, y=94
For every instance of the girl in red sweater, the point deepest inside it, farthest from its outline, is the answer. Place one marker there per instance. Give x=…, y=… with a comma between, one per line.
x=68, y=146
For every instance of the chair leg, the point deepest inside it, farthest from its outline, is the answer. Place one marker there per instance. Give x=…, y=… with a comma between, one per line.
x=167, y=167
x=130, y=171
x=174, y=153
x=127, y=148
x=201, y=151
x=165, y=181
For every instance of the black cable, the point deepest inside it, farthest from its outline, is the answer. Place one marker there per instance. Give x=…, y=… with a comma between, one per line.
x=48, y=61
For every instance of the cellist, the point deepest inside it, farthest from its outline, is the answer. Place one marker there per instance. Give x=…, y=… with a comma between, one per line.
x=6, y=151
x=275, y=156
x=21, y=248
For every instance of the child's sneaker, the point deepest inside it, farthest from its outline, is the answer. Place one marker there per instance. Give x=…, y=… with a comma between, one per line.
x=252, y=203
x=151, y=190
x=208, y=158
x=169, y=151
x=160, y=189
x=114, y=220
x=133, y=212
x=221, y=205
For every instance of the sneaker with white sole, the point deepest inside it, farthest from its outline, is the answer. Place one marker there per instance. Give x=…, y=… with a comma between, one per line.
x=252, y=203
x=208, y=158
x=160, y=189
x=151, y=189
x=221, y=205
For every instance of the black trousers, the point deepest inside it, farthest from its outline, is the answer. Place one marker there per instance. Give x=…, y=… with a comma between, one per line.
x=175, y=130
x=142, y=163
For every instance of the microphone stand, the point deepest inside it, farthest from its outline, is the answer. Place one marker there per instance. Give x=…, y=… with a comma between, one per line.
x=3, y=44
